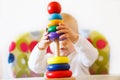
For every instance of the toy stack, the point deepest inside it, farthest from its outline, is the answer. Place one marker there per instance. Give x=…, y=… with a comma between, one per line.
x=58, y=67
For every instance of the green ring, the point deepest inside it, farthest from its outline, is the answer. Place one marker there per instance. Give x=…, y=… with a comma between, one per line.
x=52, y=29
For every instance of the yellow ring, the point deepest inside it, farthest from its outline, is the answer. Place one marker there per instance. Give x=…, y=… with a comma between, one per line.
x=54, y=22
x=57, y=60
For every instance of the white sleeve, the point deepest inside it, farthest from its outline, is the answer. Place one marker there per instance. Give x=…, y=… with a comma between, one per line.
x=38, y=60
x=86, y=50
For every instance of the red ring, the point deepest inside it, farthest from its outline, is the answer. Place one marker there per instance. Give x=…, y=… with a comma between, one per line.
x=59, y=74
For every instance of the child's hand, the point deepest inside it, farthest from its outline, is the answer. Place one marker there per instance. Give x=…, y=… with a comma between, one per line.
x=67, y=32
x=44, y=42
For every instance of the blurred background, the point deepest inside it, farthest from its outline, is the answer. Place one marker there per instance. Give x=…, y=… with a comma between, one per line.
x=18, y=16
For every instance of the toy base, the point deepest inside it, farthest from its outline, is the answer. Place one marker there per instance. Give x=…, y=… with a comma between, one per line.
x=71, y=78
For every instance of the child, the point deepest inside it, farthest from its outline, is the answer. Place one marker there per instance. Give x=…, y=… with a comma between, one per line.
x=80, y=52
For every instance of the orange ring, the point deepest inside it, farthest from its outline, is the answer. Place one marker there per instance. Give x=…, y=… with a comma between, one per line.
x=54, y=22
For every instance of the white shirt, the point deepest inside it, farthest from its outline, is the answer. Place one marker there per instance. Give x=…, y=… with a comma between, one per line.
x=80, y=61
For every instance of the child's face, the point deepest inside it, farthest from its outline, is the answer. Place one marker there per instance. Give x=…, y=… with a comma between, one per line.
x=66, y=47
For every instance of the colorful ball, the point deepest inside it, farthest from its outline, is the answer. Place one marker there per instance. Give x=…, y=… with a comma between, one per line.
x=98, y=40
x=19, y=52
x=54, y=7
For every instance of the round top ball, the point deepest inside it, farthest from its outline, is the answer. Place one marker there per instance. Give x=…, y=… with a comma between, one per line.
x=54, y=7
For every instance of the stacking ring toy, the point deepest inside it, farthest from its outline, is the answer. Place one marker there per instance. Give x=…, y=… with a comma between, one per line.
x=57, y=60
x=53, y=35
x=59, y=74
x=53, y=67
x=54, y=22
x=52, y=29
x=55, y=16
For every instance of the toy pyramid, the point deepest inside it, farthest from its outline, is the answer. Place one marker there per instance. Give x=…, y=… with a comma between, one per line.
x=58, y=67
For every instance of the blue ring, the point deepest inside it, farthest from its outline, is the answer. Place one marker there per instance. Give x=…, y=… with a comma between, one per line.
x=54, y=67
x=55, y=16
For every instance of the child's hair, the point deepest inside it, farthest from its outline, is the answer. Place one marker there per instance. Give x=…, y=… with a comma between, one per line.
x=70, y=21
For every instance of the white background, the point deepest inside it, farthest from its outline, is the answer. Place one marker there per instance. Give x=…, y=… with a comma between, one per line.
x=18, y=16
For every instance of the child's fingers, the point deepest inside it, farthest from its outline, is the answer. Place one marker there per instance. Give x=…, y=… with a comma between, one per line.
x=62, y=31
x=61, y=26
x=45, y=33
x=47, y=41
x=64, y=36
x=45, y=37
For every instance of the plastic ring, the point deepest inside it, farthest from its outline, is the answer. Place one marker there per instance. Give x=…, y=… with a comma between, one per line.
x=53, y=67
x=52, y=29
x=53, y=35
x=59, y=74
x=57, y=60
x=55, y=16
x=54, y=22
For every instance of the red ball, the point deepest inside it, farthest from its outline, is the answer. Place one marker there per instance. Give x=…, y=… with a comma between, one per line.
x=54, y=7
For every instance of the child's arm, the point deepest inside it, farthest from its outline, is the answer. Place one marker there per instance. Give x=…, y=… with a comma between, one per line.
x=88, y=52
x=37, y=60
x=38, y=57
x=44, y=42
